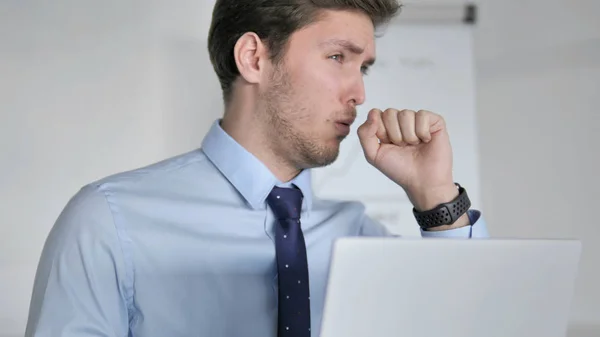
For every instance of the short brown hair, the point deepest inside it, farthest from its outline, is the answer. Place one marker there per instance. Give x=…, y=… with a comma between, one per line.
x=274, y=21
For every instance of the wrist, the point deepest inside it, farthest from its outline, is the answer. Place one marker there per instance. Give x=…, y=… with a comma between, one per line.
x=429, y=198
x=442, y=209
x=463, y=221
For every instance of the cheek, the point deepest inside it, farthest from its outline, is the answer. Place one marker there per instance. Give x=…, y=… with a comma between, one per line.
x=315, y=92
x=322, y=88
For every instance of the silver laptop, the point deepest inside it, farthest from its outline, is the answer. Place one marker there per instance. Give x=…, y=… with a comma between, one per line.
x=388, y=287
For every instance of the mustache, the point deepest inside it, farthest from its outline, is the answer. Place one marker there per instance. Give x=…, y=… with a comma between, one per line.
x=349, y=113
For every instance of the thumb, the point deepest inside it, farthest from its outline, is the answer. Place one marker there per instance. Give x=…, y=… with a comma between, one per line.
x=367, y=134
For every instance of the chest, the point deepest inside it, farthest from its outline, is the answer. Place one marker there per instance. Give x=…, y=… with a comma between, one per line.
x=201, y=271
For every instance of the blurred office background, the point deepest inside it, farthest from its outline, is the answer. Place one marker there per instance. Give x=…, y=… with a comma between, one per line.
x=91, y=88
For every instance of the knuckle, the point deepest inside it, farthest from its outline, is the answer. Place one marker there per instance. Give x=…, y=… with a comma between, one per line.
x=423, y=113
x=389, y=112
x=406, y=113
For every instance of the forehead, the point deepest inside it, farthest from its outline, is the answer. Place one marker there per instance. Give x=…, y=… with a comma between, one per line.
x=352, y=26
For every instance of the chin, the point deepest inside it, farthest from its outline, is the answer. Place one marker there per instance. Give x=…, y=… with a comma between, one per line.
x=325, y=156
x=328, y=156
x=315, y=154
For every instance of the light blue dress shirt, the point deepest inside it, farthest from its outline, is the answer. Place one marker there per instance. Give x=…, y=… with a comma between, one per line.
x=185, y=247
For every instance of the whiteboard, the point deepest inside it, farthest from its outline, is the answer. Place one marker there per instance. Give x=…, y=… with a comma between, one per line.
x=418, y=67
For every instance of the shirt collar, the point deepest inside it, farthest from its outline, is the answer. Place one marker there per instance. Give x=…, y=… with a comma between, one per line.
x=253, y=180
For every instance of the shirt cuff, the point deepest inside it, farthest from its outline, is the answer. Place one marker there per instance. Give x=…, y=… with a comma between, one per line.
x=477, y=229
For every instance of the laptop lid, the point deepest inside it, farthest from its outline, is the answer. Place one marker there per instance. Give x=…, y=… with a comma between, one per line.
x=388, y=287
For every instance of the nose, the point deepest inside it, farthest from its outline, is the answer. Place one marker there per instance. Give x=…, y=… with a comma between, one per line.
x=357, y=92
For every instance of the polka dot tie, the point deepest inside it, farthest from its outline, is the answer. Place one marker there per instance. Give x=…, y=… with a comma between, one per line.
x=292, y=266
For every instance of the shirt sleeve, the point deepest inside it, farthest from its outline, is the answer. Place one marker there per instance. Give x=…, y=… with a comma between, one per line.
x=477, y=229
x=80, y=288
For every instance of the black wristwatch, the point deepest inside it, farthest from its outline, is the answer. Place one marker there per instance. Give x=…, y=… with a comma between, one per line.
x=444, y=214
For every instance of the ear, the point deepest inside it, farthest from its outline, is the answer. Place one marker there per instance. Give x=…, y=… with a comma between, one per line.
x=250, y=55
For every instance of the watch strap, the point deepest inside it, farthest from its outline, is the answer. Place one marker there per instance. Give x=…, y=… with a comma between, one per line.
x=446, y=213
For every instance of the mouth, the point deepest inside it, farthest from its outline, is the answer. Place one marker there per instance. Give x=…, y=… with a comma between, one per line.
x=343, y=126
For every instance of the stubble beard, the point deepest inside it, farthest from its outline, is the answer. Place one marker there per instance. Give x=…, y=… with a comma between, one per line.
x=284, y=113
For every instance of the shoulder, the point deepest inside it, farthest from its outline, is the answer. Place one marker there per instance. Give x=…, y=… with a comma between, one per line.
x=92, y=207
x=156, y=174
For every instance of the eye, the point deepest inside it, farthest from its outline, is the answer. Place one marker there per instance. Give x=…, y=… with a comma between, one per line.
x=364, y=70
x=337, y=57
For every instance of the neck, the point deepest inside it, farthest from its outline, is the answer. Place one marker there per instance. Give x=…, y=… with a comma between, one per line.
x=244, y=123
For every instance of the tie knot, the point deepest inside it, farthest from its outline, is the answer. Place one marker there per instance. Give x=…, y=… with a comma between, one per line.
x=286, y=203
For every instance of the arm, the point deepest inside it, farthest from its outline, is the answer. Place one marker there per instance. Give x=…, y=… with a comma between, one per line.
x=81, y=286
x=470, y=225
x=413, y=150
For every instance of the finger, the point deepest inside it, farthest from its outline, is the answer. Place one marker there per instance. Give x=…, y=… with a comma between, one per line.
x=436, y=123
x=406, y=121
x=390, y=121
x=367, y=134
x=382, y=133
x=422, y=125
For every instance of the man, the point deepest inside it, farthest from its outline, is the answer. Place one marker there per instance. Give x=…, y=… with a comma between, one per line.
x=228, y=240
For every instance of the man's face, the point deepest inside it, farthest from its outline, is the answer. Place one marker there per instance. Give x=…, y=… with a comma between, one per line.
x=311, y=96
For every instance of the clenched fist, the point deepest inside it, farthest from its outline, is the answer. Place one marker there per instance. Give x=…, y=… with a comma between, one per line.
x=412, y=149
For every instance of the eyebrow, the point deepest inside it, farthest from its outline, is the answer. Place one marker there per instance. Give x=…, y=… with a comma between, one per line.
x=349, y=46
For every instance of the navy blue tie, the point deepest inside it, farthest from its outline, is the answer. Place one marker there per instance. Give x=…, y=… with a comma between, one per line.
x=292, y=265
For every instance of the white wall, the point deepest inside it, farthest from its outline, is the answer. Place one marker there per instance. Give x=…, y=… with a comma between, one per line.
x=538, y=65
x=139, y=72
x=111, y=84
